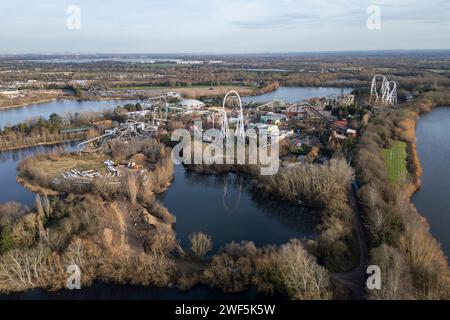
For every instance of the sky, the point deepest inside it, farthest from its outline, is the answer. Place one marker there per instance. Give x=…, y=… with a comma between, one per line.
x=220, y=26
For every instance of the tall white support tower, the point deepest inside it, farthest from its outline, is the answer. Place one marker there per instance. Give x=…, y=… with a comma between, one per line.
x=225, y=130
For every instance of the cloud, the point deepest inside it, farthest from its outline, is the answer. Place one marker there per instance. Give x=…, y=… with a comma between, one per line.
x=222, y=25
x=276, y=21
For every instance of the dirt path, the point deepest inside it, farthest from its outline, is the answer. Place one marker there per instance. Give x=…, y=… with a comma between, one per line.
x=355, y=279
x=121, y=226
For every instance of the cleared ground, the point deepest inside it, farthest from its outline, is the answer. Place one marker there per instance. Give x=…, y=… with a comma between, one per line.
x=55, y=165
x=395, y=159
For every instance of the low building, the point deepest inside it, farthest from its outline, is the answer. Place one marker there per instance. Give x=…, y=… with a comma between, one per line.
x=174, y=95
x=263, y=127
x=190, y=62
x=351, y=132
x=273, y=118
x=191, y=104
x=9, y=93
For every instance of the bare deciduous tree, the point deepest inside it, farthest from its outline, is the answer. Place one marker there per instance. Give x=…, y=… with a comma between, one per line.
x=301, y=275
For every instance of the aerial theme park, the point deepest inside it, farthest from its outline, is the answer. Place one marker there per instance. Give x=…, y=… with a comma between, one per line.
x=223, y=159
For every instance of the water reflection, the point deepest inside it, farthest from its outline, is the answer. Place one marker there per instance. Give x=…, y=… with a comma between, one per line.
x=108, y=291
x=229, y=209
x=296, y=217
x=299, y=218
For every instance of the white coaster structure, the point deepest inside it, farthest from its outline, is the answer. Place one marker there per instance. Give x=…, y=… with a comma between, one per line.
x=126, y=130
x=158, y=107
x=385, y=95
x=225, y=129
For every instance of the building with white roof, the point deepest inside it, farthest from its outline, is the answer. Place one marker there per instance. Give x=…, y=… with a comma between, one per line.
x=191, y=104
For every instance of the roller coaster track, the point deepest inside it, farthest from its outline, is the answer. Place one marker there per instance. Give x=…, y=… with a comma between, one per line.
x=386, y=94
x=317, y=113
x=225, y=130
x=126, y=130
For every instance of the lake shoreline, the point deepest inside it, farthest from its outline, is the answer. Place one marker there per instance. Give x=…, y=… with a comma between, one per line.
x=39, y=144
x=42, y=101
x=416, y=186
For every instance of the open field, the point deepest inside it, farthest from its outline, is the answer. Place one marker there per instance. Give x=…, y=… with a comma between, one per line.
x=395, y=159
x=192, y=92
x=54, y=166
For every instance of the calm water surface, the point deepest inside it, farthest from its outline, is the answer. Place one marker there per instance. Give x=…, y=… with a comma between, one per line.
x=105, y=291
x=224, y=207
x=297, y=94
x=433, y=147
x=14, y=116
x=11, y=190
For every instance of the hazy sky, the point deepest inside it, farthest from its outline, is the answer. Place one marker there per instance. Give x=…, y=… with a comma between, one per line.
x=221, y=26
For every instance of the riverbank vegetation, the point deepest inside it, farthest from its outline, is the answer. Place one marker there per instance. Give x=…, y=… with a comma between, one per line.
x=288, y=269
x=412, y=262
x=326, y=187
x=56, y=129
x=60, y=128
x=126, y=237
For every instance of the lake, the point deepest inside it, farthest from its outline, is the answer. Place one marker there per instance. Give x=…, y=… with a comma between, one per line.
x=225, y=208
x=14, y=116
x=9, y=160
x=297, y=94
x=433, y=198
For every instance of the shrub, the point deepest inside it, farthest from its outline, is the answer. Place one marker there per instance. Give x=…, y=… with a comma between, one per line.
x=201, y=244
x=6, y=242
x=106, y=188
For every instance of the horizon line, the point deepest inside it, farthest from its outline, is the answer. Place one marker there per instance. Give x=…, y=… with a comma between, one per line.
x=224, y=53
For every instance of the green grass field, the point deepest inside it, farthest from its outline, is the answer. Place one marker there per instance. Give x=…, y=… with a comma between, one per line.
x=395, y=159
